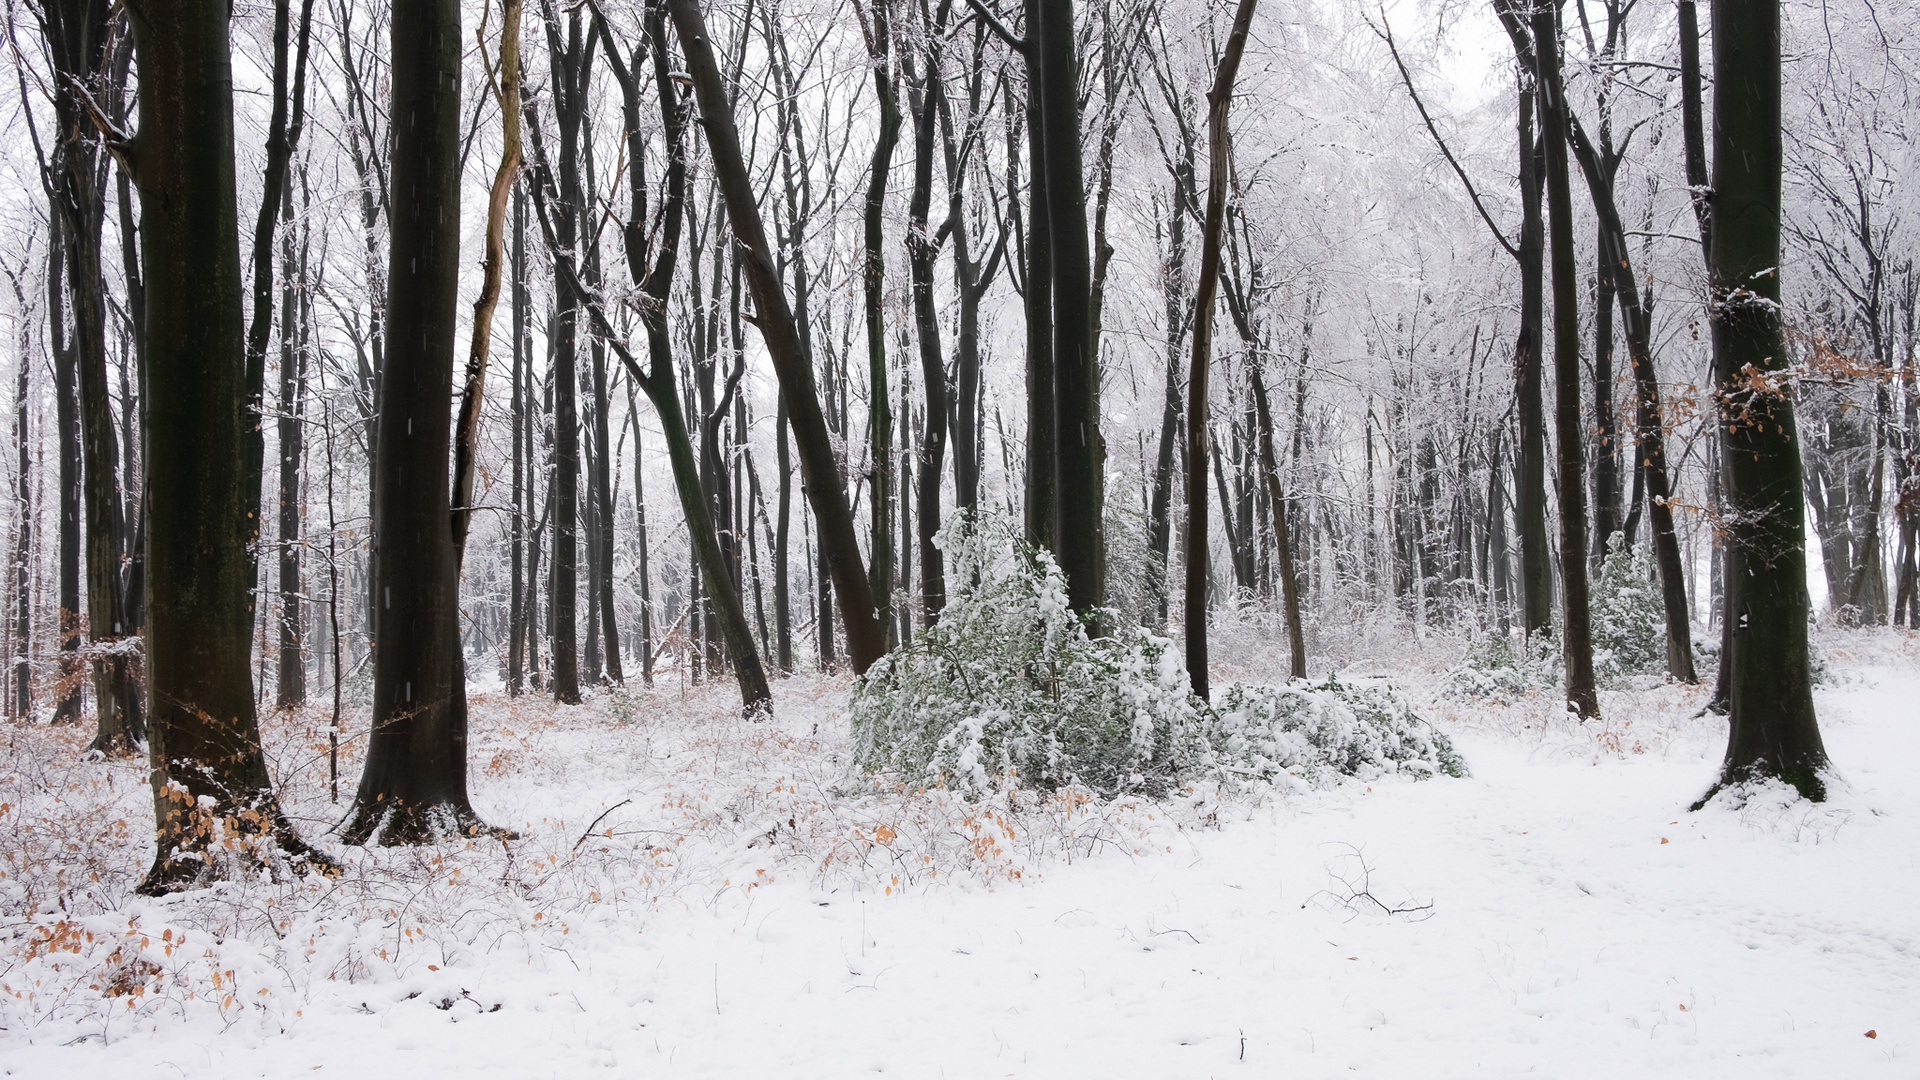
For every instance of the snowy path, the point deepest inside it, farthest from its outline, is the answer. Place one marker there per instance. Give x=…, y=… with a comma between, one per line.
x=1582, y=924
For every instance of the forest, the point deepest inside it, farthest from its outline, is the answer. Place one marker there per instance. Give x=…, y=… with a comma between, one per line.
x=505, y=495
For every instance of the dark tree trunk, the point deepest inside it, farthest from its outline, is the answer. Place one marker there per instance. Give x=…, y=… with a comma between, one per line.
x=1218, y=157
x=1282, y=535
x=291, y=669
x=1576, y=626
x=415, y=784
x=925, y=99
x=283, y=135
x=1174, y=286
x=659, y=379
x=1650, y=444
x=204, y=737
x=1772, y=729
x=873, y=278
x=517, y=629
x=1042, y=502
x=569, y=53
x=866, y=637
x=640, y=535
x=77, y=40
x=1606, y=450
x=1079, y=453
x=20, y=701
x=1536, y=571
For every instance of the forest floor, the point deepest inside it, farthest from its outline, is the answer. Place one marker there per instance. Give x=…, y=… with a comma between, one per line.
x=692, y=894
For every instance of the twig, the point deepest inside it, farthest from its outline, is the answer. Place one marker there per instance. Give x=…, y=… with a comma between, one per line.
x=598, y=820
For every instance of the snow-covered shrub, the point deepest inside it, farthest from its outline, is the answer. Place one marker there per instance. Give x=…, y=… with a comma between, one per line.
x=1309, y=730
x=1502, y=669
x=1629, y=616
x=1008, y=690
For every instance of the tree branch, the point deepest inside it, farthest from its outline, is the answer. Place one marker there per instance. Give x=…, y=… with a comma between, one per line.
x=1385, y=34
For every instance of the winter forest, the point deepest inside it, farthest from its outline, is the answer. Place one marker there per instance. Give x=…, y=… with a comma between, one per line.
x=959, y=537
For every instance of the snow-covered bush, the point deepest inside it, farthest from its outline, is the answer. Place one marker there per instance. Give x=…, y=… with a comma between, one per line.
x=1009, y=690
x=1501, y=669
x=1629, y=617
x=1310, y=730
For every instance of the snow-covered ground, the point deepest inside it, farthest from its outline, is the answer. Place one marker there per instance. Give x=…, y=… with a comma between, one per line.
x=1560, y=913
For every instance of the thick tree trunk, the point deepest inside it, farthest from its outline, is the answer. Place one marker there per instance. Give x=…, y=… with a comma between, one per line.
x=204, y=738
x=415, y=784
x=1079, y=452
x=1772, y=729
x=1042, y=500
x=1576, y=625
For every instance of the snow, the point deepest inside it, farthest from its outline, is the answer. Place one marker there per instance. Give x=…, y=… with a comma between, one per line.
x=1560, y=913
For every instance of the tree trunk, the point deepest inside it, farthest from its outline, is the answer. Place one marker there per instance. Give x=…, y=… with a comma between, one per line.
x=20, y=702
x=1650, y=444
x=640, y=535
x=659, y=379
x=1079, y=453
x=873, y=278
x=283, y=135
x=1283, y=541
x=1576, y=627
x=1772, y=729
x=415, y=784
x=1536, y=571
x=1218, y=159
x=517, y=629
x=866, y=638
x=291, y=669
x=204, y=737
x=922, y=248
x=1042, y=498
x=571, y=67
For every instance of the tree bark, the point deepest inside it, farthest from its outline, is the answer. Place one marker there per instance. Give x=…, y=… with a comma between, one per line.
x=1218, y=161
x=1576, y=626
x=922, y=248
x=1282, y=533
x=571, y=63
x=1079, y=452
x=291, y=674
x=873, y=280
x=1772, y=728
x=414, y=788
x=204, y=737
x=473, y=392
